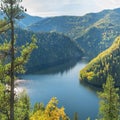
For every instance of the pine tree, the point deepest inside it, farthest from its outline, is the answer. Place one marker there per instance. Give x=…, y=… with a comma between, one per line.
x=5, y=65
x=109, y=104
x=4, y=26
x=12, y=11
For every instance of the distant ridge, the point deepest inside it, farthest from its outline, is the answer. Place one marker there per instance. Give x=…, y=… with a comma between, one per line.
x=93, y=30
x=96, y=30
x=28, y=20
x=93, y=33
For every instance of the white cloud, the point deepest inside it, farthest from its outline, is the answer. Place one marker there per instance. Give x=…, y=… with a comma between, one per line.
x=67, y=7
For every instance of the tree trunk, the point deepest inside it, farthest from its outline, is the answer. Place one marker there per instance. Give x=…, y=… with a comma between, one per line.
x=12, y=74
x=12, y=66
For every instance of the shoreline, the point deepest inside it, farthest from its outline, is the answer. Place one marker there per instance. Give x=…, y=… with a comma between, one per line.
x=18, y=88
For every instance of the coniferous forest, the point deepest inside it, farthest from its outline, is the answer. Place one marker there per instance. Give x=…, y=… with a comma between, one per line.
x=105, y=63
x=33, y=44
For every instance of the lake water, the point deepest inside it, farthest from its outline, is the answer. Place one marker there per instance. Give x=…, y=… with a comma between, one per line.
x=65, y=85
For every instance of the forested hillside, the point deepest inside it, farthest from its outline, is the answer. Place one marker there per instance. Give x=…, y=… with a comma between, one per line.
x=93, y=33
x=101, y=34
x=26, y=20
x=107, y=62
x=99, y=29
x=53, y=49
x=72, y=26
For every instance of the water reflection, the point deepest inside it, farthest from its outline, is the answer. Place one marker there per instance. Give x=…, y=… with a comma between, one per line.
x=63, y=82
x=90, y=87
x=61, y=68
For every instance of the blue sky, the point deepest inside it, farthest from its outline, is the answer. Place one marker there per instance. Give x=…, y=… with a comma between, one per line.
x=46, y=8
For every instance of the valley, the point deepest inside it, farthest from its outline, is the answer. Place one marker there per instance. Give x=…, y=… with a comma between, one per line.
x=68, y=57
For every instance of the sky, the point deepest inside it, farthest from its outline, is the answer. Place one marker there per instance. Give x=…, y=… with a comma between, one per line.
x=47, y=8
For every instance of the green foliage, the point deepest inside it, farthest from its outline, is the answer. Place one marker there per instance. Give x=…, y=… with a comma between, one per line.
x=12, y=61
x=4, y=26
x=4, y=100
x=25, y=52
x=109, y=104
x=22, y=56
x=38, y=106
x=12, y=11
x=107, y=62
x=22, y=106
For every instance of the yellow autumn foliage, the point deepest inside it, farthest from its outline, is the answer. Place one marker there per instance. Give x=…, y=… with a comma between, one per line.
x=51, y=112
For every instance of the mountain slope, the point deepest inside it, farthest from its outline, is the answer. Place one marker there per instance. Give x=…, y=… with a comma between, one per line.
x=90, y=42
x=72, y=26
x=107, y=62
x=101, y=34
x=96, y=30
x=93, y=32
x=28, y=20
x=53, y=49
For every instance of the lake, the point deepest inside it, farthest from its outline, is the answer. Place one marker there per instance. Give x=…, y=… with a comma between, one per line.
x=65, y=85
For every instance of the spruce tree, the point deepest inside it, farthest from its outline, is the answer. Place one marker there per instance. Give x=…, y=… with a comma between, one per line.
x=109, y=104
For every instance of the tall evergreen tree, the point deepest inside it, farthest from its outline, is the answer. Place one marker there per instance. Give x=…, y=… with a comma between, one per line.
x=109, y=104
x=12, y=10
x=21, y=102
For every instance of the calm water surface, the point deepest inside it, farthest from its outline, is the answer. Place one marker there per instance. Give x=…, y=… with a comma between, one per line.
x=64, y=85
